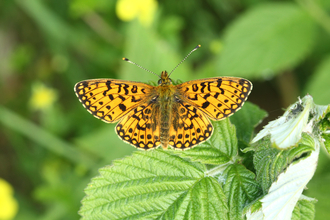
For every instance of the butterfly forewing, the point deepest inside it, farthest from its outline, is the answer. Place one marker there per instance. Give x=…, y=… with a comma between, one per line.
x=217, y=97
x=109, y=99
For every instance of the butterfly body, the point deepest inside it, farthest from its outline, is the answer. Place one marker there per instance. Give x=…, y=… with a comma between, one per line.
x=166, y=103
x=167, y=114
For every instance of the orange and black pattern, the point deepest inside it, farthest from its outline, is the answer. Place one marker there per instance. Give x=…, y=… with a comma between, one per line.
x=109, y=99
x=167, y=114
x=217, y=97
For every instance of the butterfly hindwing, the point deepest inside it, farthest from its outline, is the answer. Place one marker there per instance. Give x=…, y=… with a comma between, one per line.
x=218, y=97
x=140, y=128
x=189, y=128
x=109, y=99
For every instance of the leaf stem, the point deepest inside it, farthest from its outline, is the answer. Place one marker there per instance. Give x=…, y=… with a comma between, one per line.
x=217, y=170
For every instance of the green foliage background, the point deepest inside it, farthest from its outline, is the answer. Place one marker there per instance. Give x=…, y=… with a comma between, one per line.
x=49, y=154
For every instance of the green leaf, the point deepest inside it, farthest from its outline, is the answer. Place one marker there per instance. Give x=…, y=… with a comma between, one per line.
x=269, y=162
x=219, y=149
x=253, y=210
x=326, y=143
x=284, y=193
x=209, y=197
x=304, y=209
x=246, y=120
x=240, y=188
x=318, y=84
x=153, y=185
x=323, y=118
x=265, y=40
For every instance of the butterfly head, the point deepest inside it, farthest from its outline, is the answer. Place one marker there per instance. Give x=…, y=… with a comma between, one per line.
x=164, y=79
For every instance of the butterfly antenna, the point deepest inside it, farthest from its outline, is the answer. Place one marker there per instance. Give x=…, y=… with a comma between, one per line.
x=125, y=59
x=198, y=46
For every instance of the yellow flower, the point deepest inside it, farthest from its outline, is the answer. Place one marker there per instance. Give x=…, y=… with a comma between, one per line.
x=8, y=204
x=42, y=97
x=145, y=10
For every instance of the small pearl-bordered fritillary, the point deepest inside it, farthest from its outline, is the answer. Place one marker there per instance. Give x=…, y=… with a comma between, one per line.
x=167, y=114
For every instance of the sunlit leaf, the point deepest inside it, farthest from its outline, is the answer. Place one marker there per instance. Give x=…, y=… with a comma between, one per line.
x=265, y=40
x=285, y=192
x=267, y=170
x=219, y=149
x=153, y=184
x=240, y=188
x=304, y=209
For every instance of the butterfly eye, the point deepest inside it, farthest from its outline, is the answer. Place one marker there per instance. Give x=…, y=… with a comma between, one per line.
x=159, y=81
x=154, y=99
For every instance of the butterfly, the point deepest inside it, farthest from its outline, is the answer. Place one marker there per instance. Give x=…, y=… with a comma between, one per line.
x=167, y=115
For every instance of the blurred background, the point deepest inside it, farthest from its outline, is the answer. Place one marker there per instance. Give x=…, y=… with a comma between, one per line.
x=50, y=146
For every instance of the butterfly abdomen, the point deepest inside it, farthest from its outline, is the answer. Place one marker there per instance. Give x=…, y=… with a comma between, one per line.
x=166, y=102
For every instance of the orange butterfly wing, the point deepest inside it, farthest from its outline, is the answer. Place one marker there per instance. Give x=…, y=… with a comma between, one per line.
x=217, y=97
x=110, y=100
x=190, y=126
x=140, y=127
